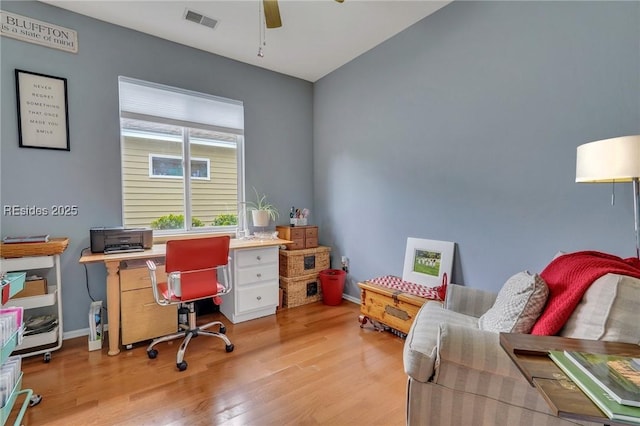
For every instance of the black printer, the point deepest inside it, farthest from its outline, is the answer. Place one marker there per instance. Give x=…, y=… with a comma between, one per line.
x=120, y=239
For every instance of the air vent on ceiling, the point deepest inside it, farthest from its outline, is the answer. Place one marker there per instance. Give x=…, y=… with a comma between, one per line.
x=199, y=18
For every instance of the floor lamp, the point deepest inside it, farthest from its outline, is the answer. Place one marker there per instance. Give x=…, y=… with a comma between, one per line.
x=613, y=160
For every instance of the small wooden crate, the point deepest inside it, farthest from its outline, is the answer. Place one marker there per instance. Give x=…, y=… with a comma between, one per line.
x=389, y=306
x=302, y=237
x=296, y=263
x=53, y=246
x=301, y=290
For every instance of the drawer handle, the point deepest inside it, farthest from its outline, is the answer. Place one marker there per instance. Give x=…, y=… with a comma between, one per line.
x=258, y=257
x=259, y=297
x=259, y=275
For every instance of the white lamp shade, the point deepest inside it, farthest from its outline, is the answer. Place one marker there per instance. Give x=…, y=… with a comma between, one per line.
x=609, y=160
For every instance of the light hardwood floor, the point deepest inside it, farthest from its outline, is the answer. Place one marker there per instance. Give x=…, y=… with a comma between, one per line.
x=304, y=366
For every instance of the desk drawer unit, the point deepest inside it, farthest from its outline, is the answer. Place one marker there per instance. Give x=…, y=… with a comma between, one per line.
x=141, y=317
x=255, y=284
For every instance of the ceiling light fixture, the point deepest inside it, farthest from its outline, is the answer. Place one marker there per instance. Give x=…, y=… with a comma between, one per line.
x=262, y=30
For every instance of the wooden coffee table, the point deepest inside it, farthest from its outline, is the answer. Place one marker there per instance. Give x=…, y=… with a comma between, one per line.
x=530, y=355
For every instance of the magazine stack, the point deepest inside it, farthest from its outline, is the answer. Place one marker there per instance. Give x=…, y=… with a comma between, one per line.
x=612, y=382
x=40, y=324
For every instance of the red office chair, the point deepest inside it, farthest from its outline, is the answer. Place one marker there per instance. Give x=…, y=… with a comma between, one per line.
x=196, y=269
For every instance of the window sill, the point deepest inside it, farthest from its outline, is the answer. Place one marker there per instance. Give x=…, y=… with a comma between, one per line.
x=161, y=239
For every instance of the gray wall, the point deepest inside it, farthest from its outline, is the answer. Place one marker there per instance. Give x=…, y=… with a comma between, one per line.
x=464, y=128
x=278, y=123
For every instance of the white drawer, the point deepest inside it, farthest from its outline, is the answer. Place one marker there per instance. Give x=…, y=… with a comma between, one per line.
x=254, y=257
x=257, y=296
x=257, y=274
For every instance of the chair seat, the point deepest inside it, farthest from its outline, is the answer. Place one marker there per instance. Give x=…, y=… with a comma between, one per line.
x=202, y=293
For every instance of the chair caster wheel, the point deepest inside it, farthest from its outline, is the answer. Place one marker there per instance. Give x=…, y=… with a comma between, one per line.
x=47, y=357
x=152, y=354
x=223, y=329
x=182, y=365
x=35, y=400
x=229, y=348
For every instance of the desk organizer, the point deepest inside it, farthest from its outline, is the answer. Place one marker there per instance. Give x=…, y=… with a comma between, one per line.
x=12, y=284
x=5, y=352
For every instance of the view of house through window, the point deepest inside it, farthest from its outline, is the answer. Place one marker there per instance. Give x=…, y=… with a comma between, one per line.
x=159, y=151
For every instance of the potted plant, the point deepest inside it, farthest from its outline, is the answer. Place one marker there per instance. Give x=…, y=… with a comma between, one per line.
x=262, y=211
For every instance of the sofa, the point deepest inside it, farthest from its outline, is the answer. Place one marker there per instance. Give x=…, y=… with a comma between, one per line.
x=459, y=375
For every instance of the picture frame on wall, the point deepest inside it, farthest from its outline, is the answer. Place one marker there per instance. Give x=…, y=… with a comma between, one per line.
x=427, y=261
x=43, y=115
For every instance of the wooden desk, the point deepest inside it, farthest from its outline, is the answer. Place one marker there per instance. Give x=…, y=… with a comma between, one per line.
x=530, y=355
x=112, y=263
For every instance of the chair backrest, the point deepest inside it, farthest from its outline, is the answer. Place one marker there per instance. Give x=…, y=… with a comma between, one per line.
x=197, y=254
x=198, y=261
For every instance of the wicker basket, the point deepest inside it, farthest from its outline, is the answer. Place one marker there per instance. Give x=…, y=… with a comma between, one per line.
x=53, y=246
x=296, y=263
x=301, y=290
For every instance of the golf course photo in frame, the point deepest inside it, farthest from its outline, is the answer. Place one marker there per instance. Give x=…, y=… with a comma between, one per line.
x=426, y=261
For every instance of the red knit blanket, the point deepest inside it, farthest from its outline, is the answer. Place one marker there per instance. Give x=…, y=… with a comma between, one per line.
x=568, y=278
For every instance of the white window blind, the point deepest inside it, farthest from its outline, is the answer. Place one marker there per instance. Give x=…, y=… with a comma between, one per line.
x=142, y=100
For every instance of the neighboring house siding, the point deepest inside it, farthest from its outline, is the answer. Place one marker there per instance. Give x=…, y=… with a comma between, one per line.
x=147, y=198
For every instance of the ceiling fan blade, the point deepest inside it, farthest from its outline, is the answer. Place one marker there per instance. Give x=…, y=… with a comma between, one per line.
x=272, y=13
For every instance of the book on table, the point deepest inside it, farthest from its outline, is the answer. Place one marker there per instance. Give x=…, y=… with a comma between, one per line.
x=614, y=373
x=26, y=239
x=598, y=395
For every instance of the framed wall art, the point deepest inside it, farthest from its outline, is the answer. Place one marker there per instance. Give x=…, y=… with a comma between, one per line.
x=426, y=261
x=43, y=118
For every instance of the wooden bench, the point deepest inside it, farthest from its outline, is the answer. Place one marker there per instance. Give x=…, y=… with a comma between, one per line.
x=392, y=304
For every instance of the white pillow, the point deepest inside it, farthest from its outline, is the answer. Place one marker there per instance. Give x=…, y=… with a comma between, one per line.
x=518, y=305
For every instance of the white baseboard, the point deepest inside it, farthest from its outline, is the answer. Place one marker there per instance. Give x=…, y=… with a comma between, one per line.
x=79, y=333
x=351, y=298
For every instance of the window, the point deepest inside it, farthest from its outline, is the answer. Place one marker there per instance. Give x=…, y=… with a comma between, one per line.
x=167, y=134
x=170, y=166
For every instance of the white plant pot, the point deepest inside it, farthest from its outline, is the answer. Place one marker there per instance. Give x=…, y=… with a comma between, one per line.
x=260, y=218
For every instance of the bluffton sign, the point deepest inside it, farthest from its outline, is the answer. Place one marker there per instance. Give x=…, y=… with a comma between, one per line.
x=38, y=32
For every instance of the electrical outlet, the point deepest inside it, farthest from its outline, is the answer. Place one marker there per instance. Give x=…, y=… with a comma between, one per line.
x=345, y=264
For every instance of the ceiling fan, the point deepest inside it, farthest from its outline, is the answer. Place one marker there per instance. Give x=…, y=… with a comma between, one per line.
x=272, y=13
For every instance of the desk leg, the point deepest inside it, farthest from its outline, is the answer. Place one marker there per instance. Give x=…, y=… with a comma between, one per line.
x=113, y=306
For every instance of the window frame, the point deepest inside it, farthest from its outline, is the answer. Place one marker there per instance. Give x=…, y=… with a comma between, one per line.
x=187, y=140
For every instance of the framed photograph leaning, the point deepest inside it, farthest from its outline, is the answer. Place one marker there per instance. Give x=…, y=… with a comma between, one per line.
x=43, y=119
x=426, y=261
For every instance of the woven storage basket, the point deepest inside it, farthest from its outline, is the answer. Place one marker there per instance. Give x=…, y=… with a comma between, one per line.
x=301, y=290
x=53, y=246
x=296, y=263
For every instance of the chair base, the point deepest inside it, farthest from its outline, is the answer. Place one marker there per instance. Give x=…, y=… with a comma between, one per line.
x=187, y=334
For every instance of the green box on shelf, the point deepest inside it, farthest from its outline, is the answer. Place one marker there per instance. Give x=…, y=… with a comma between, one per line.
x=12, y=283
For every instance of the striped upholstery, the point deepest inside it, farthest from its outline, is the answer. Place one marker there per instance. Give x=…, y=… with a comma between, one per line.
x=433, y=404
x=468, y=301
x=607, y=311
x=459, y=375
x=420, y=347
